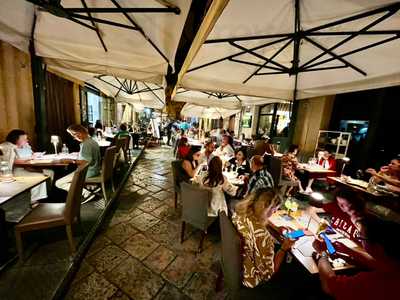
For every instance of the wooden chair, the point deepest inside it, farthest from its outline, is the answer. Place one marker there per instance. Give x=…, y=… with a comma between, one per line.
x=106, y=175
x=195, y=202
x=177, y=188
x=126, y=149
x=48, y=215
x=119, y=143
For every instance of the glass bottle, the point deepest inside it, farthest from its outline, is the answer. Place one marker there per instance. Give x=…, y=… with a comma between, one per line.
x=64, y=149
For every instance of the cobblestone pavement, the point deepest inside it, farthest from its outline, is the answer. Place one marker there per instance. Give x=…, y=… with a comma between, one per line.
x=138, y=255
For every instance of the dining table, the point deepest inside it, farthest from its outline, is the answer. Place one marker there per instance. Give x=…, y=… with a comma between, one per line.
x=315, y=170
x=302, y=249
x=375, y=194
x=15, y=204
x=48, y=161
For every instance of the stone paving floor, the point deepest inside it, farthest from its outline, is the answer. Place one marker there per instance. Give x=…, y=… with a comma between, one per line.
x=138, y=255
x=47, y=256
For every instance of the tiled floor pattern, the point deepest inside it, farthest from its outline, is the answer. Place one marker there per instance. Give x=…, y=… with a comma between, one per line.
x=47, y=257
x=138, y=255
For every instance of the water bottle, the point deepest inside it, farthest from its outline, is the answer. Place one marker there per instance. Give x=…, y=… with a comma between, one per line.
x=64, y=149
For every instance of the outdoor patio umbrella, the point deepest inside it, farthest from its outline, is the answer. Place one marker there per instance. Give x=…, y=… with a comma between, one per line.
x=207, y=112
x=298, y=49
x=128, y=39
x=219, y=99
x=138, y=93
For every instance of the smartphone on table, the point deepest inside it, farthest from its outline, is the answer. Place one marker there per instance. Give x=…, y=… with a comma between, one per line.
x=294, y=234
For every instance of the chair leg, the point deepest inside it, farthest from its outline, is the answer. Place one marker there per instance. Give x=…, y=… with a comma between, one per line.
x=103, y=188
x=70, y=238
x=176, y=200
x=112, y=185
x=203, y=235
x=183, y=231
x=18, y=242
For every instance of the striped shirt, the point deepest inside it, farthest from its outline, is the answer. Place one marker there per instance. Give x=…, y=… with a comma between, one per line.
x=260, y=180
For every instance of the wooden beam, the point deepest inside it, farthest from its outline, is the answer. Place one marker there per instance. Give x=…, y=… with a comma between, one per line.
x=213, y=13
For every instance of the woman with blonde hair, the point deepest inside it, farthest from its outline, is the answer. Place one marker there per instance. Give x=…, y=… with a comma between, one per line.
x=251, y=215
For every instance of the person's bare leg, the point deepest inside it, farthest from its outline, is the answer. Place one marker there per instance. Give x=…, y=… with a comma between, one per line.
x=310, y=182
x=300, y=186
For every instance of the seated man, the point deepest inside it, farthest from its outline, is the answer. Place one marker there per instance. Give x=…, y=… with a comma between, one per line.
x=122, y=132
x=261, y=178
x=89, y=152
x=381, y=264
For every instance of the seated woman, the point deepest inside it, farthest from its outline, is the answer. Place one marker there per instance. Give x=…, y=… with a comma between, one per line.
x=214, y=180
x=17, y=148
x=226, y=148
x=328, y=162
x=289, y=166
x=208, y=151
x=260, y=261
x=190, y=164
x=389, y=175
x=183, y=148
x=347, y=212
x=379, y=277
x=240, y=163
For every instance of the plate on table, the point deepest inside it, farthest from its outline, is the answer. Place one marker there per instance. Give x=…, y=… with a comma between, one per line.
x=357, y=182
x=7, y=180
x=41, y=161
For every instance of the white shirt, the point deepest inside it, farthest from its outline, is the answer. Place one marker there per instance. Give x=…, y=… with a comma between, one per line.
x=225, y=151
x=218, y=201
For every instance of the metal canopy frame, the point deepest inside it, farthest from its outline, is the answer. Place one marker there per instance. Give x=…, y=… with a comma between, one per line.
x=218, y=95
x=130, y=87
x=269, y=66
x=80, y=14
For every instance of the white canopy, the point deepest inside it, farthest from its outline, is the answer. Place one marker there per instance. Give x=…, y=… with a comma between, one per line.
x=136, y=92
x=219, y=99
x=207, y=112
x=124, y=51
x=140, y=94
x=256, y=37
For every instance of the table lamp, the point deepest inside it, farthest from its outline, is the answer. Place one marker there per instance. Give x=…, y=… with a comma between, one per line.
x=345, y=160
x=55, y=139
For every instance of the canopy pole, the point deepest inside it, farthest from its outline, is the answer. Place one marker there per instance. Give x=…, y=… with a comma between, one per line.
x=38, y=69
x=213, y=13
x=295, y=66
